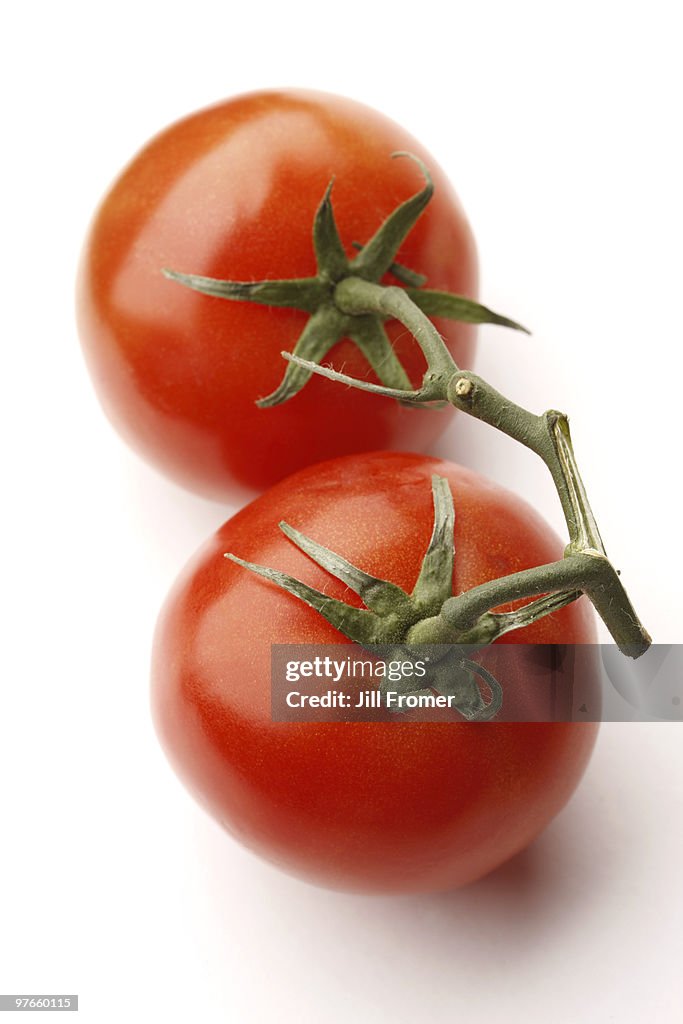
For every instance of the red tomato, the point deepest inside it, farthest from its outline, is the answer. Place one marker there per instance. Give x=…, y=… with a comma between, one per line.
x=402, y=805
x=231, y=192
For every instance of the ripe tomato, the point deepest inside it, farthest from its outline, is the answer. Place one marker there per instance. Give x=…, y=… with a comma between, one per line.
x=405, y=805
x=231, y=192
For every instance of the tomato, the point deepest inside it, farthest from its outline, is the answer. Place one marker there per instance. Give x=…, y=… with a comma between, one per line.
x=402, y=806
x=231, y=192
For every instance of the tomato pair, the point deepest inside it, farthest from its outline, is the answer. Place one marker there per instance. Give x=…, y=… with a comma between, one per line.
x=231, y=193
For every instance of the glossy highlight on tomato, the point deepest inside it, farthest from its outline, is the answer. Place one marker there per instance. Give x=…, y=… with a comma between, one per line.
x=231, y=192
x=378, y=806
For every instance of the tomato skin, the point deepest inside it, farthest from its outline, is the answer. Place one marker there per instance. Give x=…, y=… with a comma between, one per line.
x=231, y=192
x=381, y=806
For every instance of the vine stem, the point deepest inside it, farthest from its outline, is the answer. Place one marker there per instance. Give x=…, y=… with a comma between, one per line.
x=354, y=296
x=585, y=566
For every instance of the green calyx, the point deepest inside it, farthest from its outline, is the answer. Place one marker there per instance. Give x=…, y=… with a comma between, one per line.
x=329, y=320
x=389, y=611
x=396, y=620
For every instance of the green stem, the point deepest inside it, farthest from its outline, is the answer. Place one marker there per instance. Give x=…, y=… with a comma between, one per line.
x=355, y=297
x=546, y=435
x=591, y=573
x=585, y=565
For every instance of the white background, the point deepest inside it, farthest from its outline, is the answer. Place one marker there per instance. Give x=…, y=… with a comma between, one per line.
x=559, y=126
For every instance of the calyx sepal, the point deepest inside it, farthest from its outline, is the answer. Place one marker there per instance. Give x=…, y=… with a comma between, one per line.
x=328, y=324
x=396, y=620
